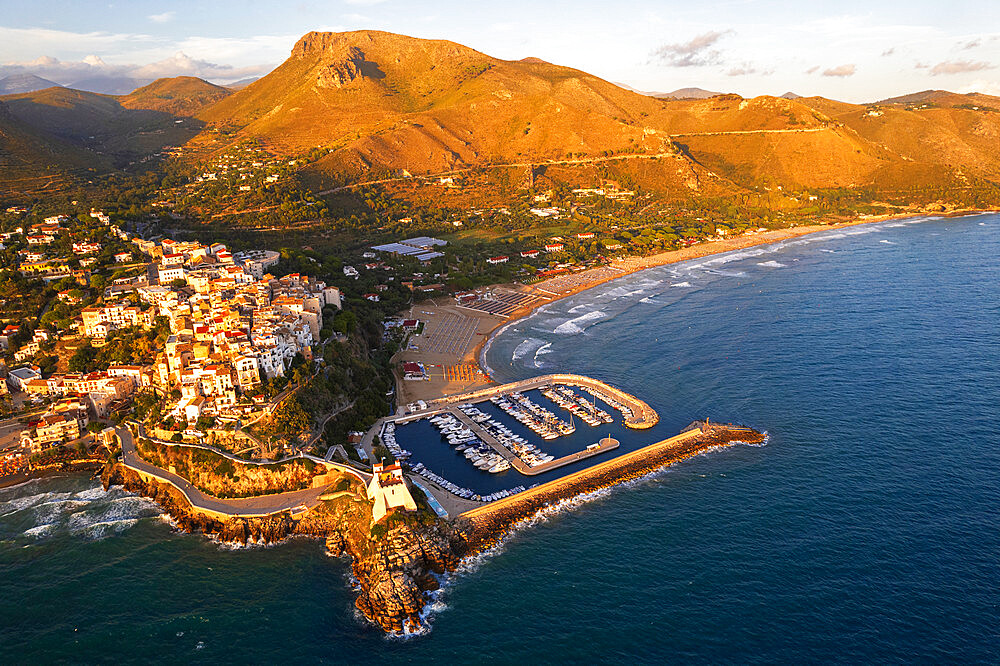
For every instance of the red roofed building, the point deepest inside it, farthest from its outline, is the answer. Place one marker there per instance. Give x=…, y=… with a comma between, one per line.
x=413, y=371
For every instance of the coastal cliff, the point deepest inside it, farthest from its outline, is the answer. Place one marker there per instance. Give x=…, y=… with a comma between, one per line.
x=396, y=562
x=394, y=567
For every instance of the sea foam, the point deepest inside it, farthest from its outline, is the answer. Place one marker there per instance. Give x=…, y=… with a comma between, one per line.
x=578, y=324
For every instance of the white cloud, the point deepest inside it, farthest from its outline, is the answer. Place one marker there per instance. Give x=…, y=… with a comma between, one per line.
x=748, y=69
x=364, y=3
x=694, y=53
x=127, y=48
x=165, y=17
x=356, y=18
x=255, y=48
x=981, y=86
x=179, y=64
x=841, y=71
x=34, y=40
x=959, y=67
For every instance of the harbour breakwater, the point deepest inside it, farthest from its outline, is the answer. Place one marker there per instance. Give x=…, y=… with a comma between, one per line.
x=483, y=527
x=396, y=564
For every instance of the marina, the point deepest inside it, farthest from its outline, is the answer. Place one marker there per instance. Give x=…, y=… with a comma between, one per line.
x=481, y=446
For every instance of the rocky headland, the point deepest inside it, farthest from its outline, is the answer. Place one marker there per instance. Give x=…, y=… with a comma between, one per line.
x=396, y=563
x=394, y=566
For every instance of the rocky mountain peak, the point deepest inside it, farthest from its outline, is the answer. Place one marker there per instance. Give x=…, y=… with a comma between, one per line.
x=341, y=72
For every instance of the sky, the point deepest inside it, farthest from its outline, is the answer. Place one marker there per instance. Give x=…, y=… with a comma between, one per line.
x=848, y=50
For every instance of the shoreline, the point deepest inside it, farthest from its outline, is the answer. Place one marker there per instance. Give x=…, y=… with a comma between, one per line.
x=45, y=472
x=635, y=264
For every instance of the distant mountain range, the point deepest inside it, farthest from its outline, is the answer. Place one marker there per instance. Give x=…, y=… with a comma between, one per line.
x=944, y=98
x=110, y=85
x=680, y=93
x=384, y=103
x=23, y=83
x=686, y=93
x=242, y=83
x=60, y=134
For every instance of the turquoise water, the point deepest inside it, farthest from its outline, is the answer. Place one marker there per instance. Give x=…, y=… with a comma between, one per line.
x=868, y=529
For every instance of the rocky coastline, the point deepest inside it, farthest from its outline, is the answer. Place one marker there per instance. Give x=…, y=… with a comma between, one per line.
x=397, y=568
x=394, y=570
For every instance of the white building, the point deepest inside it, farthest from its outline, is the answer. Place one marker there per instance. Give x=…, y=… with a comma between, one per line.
x=388, y=489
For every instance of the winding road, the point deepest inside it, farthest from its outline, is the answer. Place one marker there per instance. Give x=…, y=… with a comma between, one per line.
x=265, y=505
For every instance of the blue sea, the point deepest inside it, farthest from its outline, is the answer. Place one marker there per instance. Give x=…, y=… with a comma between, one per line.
x=866, y=531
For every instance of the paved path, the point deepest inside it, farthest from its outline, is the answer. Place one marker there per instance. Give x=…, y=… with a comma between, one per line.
x=322, y=427
x=264, y=505
x=801, y=130
x=235, y=458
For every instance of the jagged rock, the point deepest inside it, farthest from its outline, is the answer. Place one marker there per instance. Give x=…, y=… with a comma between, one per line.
x=340, y=73
x=335, y=545
x=394, y=571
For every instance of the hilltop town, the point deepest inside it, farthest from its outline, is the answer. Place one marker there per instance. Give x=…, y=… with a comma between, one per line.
x=199, y=332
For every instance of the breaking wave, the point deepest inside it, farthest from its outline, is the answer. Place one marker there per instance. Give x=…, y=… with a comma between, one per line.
x=578, y=324
x=526, y=347
x=92, y=513
x=541, y=351
x=771, y=264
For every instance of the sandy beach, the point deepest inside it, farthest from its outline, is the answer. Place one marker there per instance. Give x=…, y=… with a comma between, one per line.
x=456, y=367
x=446, y=348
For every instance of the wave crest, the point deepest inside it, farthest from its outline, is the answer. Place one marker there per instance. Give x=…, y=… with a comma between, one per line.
x=578, y=324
